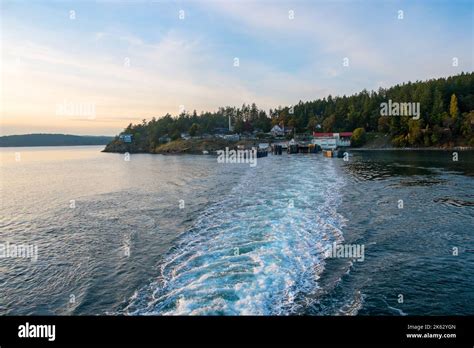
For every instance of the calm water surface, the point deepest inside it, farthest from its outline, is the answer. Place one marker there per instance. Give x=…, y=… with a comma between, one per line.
x=207, y=238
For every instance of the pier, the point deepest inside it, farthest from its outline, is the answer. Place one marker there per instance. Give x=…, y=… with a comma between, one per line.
x=297, y=147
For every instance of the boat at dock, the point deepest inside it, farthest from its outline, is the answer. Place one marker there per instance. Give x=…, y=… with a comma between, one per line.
x=327, y=153
x=307, y=148
x=277, y=149
x=292, y=146
x=338, y=153
x=262, y=153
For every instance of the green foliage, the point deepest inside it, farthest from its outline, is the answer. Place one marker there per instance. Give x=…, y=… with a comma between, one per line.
x=400, y=141
x=414, y=132
x=175, y=135
x=384, y=124
x=358, y=137
x=444, y=104
x=467, y=126
x=436, y=134
x=329, y=123
x=426, y=140
x=194, y=130
x=438, y=107
x=312, y=123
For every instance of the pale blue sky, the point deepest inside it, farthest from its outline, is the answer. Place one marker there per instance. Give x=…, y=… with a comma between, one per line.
x=49, y=58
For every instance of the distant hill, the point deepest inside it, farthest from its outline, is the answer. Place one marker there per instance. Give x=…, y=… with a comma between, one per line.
x=52, y=140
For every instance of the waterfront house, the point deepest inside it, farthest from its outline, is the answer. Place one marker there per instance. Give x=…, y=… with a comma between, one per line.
x=232, y=137
x=221, y=130
x=344, y=139
x=126, y=138
x=185, y=136
x=330, y=141
x=164, y=139
x=277, y=131
x=288, y=130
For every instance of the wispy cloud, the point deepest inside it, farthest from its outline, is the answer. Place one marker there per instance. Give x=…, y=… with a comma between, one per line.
x=135, y=61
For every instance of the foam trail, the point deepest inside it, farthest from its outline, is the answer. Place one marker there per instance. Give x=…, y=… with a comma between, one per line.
x=258, y=251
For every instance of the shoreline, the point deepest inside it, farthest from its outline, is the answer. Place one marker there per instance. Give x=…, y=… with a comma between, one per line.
x=180, y=146
x=407, y=149
x=197, y=146
x=456, y=148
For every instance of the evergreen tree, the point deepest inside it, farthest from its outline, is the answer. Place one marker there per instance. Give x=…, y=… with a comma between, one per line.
x=446, y=106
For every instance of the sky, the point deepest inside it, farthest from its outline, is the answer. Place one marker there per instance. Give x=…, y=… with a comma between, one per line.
x=92, y=67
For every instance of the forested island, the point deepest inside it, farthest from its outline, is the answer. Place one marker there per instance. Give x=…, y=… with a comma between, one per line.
x=445, y=120
x=52, y=140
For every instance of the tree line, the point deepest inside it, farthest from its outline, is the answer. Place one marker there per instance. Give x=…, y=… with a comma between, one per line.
x=446, y=116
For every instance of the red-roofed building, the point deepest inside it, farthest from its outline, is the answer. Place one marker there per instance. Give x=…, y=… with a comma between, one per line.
x=332, y=140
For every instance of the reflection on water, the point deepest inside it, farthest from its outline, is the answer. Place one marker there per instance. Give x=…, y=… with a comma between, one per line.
x=410, y=209
x=455, y=202
x=376, y=165
x=243, y=241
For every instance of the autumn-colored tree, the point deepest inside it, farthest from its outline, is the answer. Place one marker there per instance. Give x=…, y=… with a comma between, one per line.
x=453, y=107
x=358, y=137
x=328, y=123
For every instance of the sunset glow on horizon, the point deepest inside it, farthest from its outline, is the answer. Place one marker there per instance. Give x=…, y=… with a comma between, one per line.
x=94, y=67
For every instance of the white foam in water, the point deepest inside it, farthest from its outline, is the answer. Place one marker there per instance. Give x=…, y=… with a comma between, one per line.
x=252, y=253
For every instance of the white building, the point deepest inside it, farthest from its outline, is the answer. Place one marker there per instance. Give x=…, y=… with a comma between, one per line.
x=277, y=131
x=232, y=137
x=330, y=141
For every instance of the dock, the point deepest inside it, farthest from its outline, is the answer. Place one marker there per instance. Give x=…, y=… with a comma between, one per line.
x=296, y=147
